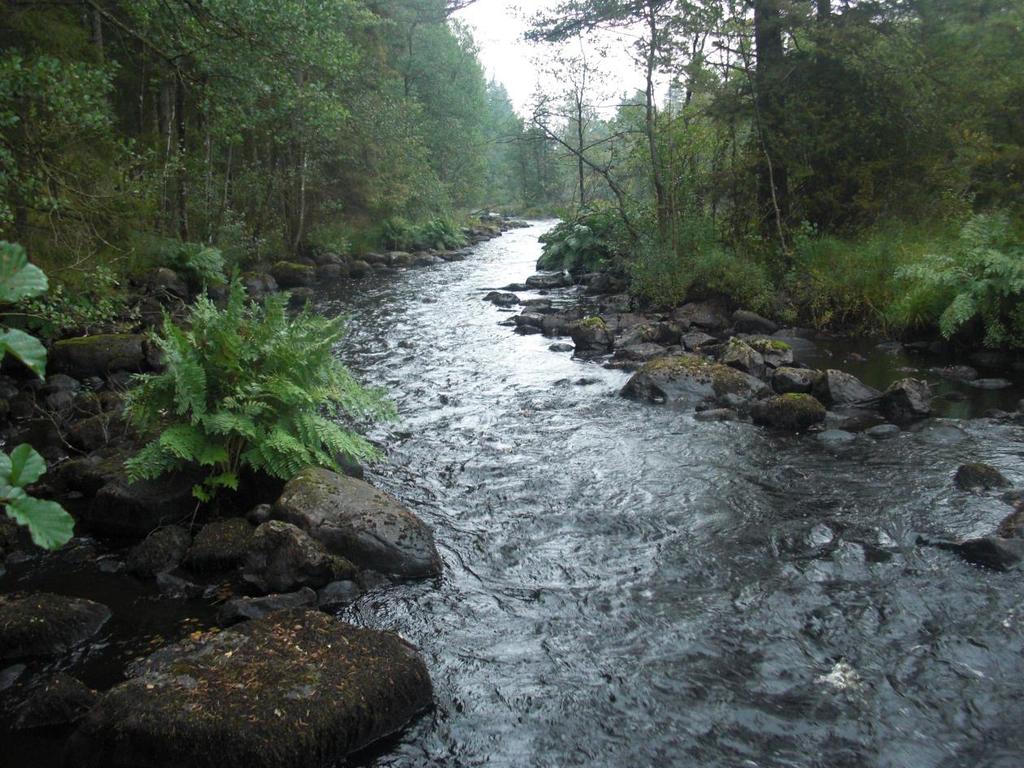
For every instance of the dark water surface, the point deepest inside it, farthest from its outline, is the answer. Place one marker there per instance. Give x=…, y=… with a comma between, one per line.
x=627, y=586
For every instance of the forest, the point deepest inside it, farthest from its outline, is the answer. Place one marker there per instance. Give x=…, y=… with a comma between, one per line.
x=298, y=464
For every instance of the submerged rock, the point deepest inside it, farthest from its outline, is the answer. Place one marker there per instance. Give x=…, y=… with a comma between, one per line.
x=282, y=557
x=99, y=355
x=220, y=546
x=44, y=624
x=793, y=412
x=502, y=298
x=1012, y=526
x=991, y=384
x=60, y=700
x=296, y=689
x=906, y=400
x=359, y=522
x=161, y=551
x=978, y=476
x=689, y=380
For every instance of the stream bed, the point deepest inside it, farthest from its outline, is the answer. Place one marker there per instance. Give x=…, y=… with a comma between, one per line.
x=625, y=585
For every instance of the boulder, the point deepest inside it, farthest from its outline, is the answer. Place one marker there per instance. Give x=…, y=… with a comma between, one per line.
x=841, y=388
x=1012, y=526
x=882, y=431
x=132, y=510
x=296, y=689
x=689, y=380
x=776, y=352
x=649, y=332
x=739, y=355
x=97, y=431
x=751, y=322
x=695, y=340
x=338, y=594
x=161, y=551
x=502, y=298
x=706, y=315
x=259, y=284
x=562, y=347
x=792, y=412
x=794, y=380
x=329, y=273
x=559, y=324
x=978, y=476
x=246, y=608
x=299, y=297
x=282, y=558
x=399, y=259
x=993, y=552
x=358, y=268
x=359, y=522
x=528, y=320
x=906, y=400
x=963, y=373
x=99, y=355
x=59, y=700
x=290, y=274
x=221, y=545
x=639, y=353
x=549, y=280
x=591, y=335
x=44, y=624
x=165, y=282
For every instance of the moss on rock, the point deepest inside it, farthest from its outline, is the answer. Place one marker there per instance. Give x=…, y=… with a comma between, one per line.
x=792, y=412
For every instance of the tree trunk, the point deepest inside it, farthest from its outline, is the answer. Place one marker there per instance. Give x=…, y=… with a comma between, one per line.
x=773, y=183
x=182, y=185
x=662, y=204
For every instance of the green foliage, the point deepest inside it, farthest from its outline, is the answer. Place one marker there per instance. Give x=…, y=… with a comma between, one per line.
x=249, y=387
x=199, y=264
x=47, y=522
x=979, y=279
x=399, y=235
x=590, y=241
x=83, y=307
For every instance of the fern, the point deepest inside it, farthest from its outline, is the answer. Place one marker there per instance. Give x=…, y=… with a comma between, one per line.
x=981, y=279
x=249, y=387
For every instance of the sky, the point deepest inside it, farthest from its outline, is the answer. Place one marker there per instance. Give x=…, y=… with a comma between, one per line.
x=498, y=29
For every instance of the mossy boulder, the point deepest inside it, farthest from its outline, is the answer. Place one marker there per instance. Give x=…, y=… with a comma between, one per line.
x=44, y=624
x=59, y=700
x=739, y=355
x=290, y=274
x=776, y=352
x=591, y=335
x=161, y=551
x=281, y=557
x=99, y=355
x=359, y=522
x=792, y=412
x=978, y=476
x=689, y=380
x=220, y=545
x=297, y=689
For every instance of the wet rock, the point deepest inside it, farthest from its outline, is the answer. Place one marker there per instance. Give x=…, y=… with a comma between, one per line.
x=906, y=400
x=260, y=514
x=802, y=380
x=549, y=280
x=695, y=340
x=161, y=551
x=978, y=476
x=60, y=700
x=841, y=388
x=836, y=438
x=890, y=347
x=282, y=558
x=99, y=355
x=639, y=353
x=87, y=474
x=591, y=335
x=741, y=356
x=560, y=324
x=132, y=510
x=990, y=358
x=751, y=322
x=174, y=586
x=706, y=315
x=602, y=283
x=1012, y=526
x=716, y=414
x=97, y=431
x=221, y=545
x=882, y=431
x=502, y=298
x=247, y=608
x=962, y=373
x=528, y=320
x=44, y=624
x=359, y=522
x=328, y=273
x=852, y=419
x=561, y=347
x=993, y=552
x=338, y=594
x=165, y=282
x=776, y=353
x=689, y=380
x=299, y=297
x=358, y=269
x=991, y=384
x=345, y=685
x=290, y=274
x=792, y=412
x=10, y=675
x=426, y=260
x=650, y=333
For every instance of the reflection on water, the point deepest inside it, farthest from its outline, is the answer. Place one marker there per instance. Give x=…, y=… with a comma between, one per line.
x=627, y=586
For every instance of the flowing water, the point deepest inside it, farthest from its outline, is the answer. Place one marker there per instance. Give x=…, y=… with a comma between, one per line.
x=627, y=586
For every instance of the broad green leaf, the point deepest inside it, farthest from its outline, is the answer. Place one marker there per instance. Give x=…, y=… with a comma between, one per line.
x=50, y=526
x=27, y=282
x=27, y=466
x=12, y=261
x=5, y=469
x=26, y=348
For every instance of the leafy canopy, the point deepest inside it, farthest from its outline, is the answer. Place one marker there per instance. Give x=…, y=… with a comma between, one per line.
x=247, y=386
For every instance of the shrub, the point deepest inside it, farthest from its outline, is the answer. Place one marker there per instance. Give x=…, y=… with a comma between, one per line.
x=78, y=308
x=442, y=234
x=198, y=264
x=590, y=241
x=49, y=525
x=248, y=387
x=980, y=278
